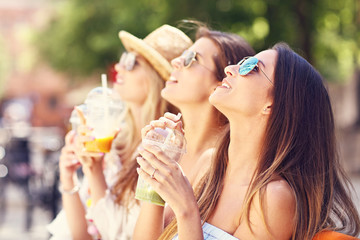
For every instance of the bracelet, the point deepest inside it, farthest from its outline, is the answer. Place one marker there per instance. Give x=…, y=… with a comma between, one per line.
x=72, y=191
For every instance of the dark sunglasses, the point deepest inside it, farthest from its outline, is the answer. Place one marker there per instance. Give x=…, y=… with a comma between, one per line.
x=249, y=64
x=190, y=57
x=128, y=60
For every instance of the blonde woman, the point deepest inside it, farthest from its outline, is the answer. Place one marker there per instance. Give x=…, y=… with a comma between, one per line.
x=275, y=174
x=142, y=72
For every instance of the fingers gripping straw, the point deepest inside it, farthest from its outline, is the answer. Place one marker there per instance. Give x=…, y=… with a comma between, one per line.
x=173, y=144
x=104, y=114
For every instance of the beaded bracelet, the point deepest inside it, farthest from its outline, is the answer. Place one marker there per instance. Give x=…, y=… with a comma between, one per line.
x=72, y=191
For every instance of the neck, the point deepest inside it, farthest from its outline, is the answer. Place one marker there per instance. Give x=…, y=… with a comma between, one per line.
x=246, y=139
x=136, y=111
x=200, y=129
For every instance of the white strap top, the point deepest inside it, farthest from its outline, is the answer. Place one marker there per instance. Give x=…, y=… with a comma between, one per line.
x=213, y=233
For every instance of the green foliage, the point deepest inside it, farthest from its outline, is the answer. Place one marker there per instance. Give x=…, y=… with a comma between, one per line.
x=83, y=35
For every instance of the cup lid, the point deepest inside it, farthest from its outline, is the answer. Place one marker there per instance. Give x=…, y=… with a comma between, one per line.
x=169, y=139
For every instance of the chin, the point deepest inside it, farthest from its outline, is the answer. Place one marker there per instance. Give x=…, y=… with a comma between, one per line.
x=217, y=102
x=214, y=98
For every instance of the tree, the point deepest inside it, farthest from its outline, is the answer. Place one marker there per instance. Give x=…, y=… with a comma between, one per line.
x=82, y=36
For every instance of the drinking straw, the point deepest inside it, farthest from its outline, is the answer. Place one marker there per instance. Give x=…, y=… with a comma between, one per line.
x=104, y=83
x=105, y=88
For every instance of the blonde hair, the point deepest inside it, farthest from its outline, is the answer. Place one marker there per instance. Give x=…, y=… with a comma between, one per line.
x=129, y=139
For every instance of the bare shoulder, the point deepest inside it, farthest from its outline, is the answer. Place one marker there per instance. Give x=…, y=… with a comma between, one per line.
x=279, y=192
x=278, y=210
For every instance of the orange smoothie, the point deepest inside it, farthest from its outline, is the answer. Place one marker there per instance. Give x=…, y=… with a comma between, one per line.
x=99, y=144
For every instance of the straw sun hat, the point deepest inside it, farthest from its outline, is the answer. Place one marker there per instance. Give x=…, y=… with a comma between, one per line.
x=159, y=47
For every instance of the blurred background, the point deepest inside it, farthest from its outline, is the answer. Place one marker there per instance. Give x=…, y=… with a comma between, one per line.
x=53, y=52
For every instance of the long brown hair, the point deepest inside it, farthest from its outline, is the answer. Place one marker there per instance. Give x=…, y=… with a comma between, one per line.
x=299, y=146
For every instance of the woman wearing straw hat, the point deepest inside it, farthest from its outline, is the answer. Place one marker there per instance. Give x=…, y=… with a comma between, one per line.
x=188, y=88
x=142, y=72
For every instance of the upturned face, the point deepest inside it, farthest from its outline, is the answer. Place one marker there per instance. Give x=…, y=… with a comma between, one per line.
x=247, y=94
x=132, y=81
x=193, y=78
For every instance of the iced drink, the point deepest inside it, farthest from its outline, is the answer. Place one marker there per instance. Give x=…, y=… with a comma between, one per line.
x=100, y=144
x=173, y=144
x=104, y=115
x=75, y=120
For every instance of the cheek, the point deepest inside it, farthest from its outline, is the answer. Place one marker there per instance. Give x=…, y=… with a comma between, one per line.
x=135, y=89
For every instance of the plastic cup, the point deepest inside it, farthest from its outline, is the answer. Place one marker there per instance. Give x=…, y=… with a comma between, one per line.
x=75, y=120
x=104, y=112
x=173, y=144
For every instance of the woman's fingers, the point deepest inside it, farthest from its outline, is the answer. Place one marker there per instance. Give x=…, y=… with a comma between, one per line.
x=154, y=153
x=84, y=139
x=172, y=116
x=69, y=138
x=148, y=169
x=72, y=162
x=169, y=120
x=81, y=115
x=145, y=130
x=84, y=130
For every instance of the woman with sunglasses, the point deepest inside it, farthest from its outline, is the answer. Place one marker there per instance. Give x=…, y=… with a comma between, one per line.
x=197, y=72
x=275, y=173
x=108, y=198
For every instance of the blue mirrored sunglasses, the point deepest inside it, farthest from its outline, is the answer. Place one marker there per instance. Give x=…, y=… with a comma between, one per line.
x=248, y=64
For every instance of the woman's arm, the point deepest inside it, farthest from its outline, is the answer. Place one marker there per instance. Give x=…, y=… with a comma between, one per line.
x=92, y=165
x=150, y=223
x=171, y=184
x=72, y=205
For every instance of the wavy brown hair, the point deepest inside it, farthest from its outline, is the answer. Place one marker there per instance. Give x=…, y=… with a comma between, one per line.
x=300, y=146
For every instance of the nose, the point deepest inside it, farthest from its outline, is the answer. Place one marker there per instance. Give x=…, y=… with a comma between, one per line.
x=117, y=67
x=230, y=70
x=177, y=63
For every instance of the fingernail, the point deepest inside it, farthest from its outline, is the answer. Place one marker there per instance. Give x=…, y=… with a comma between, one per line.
x=138, y=170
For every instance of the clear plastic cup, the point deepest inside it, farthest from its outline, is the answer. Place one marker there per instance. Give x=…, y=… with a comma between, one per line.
x=173, y=144
x=75, y=120
x=104, y=113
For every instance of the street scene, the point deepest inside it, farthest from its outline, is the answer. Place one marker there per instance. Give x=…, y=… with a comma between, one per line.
x=95, y=89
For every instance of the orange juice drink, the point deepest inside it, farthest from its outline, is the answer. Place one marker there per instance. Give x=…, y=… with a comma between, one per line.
x=99, y=144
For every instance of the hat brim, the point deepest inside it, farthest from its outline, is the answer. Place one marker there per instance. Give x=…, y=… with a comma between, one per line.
x=132, y=43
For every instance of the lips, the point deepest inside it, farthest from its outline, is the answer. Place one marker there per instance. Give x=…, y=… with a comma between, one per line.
x=172, y=79
x=119, y=79
x=225, y=84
